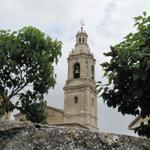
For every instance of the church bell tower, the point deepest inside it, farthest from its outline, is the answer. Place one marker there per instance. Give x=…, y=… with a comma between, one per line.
x=80, y=104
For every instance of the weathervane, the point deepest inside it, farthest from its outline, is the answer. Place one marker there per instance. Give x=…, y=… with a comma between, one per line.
x=82, y=24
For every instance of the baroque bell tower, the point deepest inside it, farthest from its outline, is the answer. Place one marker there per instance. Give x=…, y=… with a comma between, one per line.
x=80, y=103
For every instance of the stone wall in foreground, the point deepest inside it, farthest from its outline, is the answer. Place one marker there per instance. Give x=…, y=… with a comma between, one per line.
x=28, y=136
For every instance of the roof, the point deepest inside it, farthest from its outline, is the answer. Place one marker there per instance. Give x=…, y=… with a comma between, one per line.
x=134, y=121
x=48, y=107
x=137, y=121
x=56, y=109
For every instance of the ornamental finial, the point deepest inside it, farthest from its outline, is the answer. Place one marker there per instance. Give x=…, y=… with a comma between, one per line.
x=82, y=25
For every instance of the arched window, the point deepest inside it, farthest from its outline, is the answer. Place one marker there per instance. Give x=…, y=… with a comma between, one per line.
x=83, y=40
x=79, y=40
x=76, y=70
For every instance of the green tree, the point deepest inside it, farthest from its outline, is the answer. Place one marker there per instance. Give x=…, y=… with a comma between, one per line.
x=27, y=59
x=128, y=73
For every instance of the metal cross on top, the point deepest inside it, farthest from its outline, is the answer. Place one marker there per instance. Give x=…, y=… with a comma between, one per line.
x=82, y=24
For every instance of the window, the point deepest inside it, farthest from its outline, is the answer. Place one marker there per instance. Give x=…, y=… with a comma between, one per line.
x=83, y=40
x=76, y=70
x=79, y=40
x=76, y=99
x=92, y=72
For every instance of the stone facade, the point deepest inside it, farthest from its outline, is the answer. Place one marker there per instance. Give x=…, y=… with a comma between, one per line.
x=20, y=117
x=80, y=104
x=6, y=116
x=55, y=115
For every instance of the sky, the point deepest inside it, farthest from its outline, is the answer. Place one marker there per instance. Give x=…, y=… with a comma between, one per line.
x=106, y=23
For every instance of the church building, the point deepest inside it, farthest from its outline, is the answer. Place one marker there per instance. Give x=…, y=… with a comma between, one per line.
x=80, y=99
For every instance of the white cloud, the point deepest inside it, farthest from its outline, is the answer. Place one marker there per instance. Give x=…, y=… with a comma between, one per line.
x=106, y=22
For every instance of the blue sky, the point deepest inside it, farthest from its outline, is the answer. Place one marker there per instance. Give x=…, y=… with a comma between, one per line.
x=106, y=23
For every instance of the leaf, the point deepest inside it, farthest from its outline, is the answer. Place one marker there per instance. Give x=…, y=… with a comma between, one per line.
x=135, y=76
x=138, y=18
x=111, y=77
x=105, y=89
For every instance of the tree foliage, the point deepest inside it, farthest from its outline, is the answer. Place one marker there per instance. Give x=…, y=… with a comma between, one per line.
x=27, y=60
x=128, y=73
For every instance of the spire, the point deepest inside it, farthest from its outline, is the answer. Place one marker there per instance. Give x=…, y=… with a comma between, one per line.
x=82, y=24
x=81, y=37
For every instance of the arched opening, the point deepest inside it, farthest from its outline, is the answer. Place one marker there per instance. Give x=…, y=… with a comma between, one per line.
x=83, y=40
x=79, y=40
x=76, y=70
